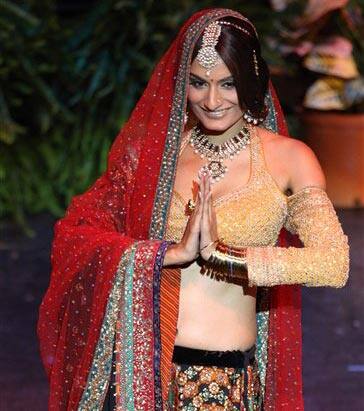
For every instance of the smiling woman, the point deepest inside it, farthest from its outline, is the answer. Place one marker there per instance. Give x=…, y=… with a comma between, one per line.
x=171, y=286
x=245, y=71
x=213, y=97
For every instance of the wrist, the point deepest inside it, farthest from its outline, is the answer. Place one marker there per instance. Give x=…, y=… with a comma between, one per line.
x=176, y=255
x=208, y=249
x=170, y=257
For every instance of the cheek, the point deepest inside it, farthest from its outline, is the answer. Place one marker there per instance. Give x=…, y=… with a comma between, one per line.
x=194, y=96
x=232, y=96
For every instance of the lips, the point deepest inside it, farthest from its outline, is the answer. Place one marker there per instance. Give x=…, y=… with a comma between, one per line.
x=216, y=113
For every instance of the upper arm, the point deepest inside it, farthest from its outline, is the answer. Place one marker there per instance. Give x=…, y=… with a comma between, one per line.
x=303, y=166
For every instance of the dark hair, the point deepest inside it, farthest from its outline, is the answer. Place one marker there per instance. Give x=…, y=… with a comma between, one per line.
x=236, y=49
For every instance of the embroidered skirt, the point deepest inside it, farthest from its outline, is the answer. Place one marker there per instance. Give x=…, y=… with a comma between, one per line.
x=214, y=380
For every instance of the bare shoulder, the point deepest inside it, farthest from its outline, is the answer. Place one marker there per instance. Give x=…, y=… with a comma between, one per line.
x=301, y=164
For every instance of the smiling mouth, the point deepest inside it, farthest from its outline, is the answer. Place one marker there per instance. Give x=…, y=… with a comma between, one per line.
x=215, y=113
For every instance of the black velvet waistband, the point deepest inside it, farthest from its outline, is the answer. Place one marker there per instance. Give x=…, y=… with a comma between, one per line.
x=193, y=356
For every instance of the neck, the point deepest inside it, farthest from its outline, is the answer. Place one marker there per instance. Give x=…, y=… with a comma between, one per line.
x=227, y=134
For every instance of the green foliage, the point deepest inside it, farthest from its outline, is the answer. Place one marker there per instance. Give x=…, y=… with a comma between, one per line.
x=69, y=84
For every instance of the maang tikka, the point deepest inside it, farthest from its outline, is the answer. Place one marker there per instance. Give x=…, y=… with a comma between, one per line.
x=207, y=56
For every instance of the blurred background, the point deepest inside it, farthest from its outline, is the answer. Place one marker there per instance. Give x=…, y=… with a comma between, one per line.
x=70, y=73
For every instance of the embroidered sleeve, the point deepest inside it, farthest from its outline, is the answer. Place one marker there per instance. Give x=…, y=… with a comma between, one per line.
x=324, y=259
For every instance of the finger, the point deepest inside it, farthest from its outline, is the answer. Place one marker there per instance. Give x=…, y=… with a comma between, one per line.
x=196, y=210
x=213, y=220
x=195, y=213
x=207, y=185
x=200, y=194
x=203, y=181
x=198, y=202
x=205, y=216
x=200, y=182
x=194, y=220
x=208, y=193
x=210, y=203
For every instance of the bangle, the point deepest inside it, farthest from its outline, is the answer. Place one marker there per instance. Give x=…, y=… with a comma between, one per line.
x=227, y=263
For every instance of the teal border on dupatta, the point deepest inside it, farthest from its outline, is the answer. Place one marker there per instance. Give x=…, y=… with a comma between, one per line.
x=99, y=376
x=127, y=316
x=128, y=332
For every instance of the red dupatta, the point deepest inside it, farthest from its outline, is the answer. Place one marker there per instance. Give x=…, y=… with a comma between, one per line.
x=105, y=292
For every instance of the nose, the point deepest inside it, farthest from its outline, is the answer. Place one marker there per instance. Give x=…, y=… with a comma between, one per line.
x=213, y=99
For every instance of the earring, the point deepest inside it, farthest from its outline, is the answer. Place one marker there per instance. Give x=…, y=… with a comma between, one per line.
x=256, y=67
x=249, y=118
x=185, y=118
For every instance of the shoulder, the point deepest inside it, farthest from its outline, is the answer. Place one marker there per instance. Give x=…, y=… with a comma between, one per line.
x=301, y=164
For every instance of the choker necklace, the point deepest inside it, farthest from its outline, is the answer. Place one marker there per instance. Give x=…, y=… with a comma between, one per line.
x=217, y=153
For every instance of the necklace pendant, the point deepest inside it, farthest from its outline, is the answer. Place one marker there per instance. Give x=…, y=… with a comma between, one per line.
x=215, y=154
x=216, y=169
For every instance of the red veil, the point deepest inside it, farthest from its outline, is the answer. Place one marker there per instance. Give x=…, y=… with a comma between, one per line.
x=108, y=298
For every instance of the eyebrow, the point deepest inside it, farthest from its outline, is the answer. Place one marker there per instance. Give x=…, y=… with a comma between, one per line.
x=229, y=78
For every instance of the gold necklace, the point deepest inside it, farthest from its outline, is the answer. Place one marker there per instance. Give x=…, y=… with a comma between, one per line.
x=216, y=154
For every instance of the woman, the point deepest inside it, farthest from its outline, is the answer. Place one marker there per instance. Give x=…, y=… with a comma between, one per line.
x=211, y=321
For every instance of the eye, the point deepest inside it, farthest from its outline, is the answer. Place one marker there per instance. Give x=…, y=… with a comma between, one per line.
x=197, y=83
x=228, y=84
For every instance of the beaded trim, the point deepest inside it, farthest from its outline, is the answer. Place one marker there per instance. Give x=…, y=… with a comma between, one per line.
x=227, y=23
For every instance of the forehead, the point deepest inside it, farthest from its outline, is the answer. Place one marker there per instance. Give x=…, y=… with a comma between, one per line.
x=219, y=72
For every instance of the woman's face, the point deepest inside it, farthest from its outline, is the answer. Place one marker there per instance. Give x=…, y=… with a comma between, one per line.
x=213, y=99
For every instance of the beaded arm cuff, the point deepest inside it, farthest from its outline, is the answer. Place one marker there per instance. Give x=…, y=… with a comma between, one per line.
x=324, y=259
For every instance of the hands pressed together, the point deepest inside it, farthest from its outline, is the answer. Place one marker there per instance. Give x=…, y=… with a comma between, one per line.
x=201, y=230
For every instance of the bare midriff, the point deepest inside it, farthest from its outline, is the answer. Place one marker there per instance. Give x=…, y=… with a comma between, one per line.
x=214, y=315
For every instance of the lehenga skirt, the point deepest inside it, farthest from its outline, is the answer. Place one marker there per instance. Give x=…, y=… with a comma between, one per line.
x=214, y=380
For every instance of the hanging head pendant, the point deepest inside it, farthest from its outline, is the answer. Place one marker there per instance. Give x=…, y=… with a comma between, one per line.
x=207, y=56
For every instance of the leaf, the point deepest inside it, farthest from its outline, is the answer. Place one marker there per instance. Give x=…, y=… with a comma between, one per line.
x=19, y=12
x=99, y=74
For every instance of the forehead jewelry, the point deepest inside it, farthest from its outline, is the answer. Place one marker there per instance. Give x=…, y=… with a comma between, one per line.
x=228, y=23
x=207, y=56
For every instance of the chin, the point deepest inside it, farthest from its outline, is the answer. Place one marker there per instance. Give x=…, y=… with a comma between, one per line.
x=220, y=124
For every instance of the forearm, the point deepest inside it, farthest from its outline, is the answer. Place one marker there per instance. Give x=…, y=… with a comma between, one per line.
x=323, y=261
x=314, y=267
x=270, y=266
x=177, y=254
x=171, y=255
